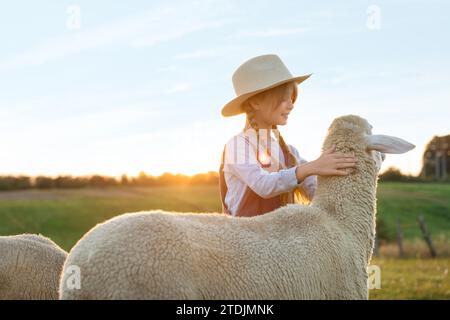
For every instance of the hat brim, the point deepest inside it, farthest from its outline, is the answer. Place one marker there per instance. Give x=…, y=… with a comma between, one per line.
x=233, y=107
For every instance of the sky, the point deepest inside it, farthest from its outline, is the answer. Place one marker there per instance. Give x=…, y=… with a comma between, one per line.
x=114, y=87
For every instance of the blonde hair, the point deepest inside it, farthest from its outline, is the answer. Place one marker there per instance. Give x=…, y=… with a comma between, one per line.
x=272, y=98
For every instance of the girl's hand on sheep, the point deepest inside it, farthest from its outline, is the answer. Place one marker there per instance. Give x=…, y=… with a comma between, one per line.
x=328, y=164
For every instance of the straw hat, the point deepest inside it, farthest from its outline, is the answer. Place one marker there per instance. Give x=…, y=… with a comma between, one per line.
x=256, y=75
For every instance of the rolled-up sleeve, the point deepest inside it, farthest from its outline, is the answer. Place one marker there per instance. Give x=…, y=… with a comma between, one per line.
x=265, y=184
x=240, y=161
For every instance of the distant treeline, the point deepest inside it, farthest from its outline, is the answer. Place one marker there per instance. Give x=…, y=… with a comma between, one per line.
x=394, y=174
x=67, y=181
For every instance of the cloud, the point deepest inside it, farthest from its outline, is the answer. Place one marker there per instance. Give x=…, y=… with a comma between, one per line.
x=270, y=33
x=208, y=53
x=67, y=111
x=180, y=87
x=170, y=32
x=146, y=29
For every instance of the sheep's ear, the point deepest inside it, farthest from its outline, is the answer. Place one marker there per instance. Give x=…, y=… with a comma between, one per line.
x=388, y=144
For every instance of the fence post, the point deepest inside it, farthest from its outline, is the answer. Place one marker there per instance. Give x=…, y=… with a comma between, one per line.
x=426, y=235
x=400, y=239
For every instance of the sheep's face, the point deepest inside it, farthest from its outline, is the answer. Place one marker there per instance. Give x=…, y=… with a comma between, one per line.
x=378, y=158
x=379, y=145
x=352, y=133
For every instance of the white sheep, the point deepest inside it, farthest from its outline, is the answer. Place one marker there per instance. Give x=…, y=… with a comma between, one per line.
x=319, y=251
x=30, y=267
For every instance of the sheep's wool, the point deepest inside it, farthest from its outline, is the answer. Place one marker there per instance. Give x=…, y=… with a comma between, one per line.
x=30, y=267
x=319, y=251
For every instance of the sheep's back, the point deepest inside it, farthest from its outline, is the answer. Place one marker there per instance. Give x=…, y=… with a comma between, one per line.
x=30, y=267
x=183, y=255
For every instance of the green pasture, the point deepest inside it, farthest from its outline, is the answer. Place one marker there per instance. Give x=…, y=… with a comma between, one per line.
x=65, y=215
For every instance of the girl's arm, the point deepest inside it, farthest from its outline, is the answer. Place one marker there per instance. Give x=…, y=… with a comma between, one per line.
x=329, y=163
x=265, y=184
x=242, y=163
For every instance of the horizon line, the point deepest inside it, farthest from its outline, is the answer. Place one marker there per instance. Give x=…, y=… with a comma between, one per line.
x=407, y=173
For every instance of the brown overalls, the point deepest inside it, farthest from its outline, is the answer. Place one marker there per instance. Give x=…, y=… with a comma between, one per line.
x=252, y=204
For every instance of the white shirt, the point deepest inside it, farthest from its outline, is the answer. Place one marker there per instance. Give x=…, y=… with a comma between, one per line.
x=241, y=169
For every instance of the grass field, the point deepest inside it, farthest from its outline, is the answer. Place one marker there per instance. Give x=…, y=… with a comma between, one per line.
x=65, y=215
x=405, y=201
x=412, y=279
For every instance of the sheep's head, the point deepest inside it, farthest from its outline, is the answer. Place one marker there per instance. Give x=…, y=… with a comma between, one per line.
x=353, y=134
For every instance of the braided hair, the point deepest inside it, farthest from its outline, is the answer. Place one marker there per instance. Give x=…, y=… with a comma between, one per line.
x=273, y=97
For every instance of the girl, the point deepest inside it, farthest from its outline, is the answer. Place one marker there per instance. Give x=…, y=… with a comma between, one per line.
x=260, y=173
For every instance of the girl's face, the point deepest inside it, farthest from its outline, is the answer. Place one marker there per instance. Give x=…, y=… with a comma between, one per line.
x=275, y=107
x=280, y=115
